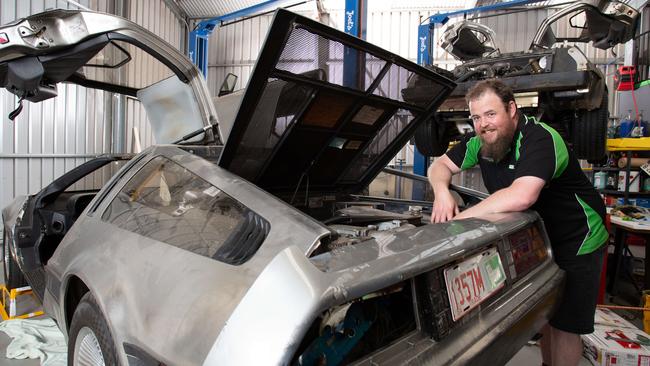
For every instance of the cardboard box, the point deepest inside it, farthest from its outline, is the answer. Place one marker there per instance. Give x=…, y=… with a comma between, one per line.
x=616, y=342
x=606, y=317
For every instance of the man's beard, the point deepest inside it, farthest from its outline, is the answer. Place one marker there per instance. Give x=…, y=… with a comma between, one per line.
x=499, y=148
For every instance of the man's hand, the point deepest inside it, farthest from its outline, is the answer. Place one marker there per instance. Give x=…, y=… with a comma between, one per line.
x=444, y=207
x=444, y=204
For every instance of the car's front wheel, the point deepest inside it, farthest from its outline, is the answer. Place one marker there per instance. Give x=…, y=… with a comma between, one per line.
x=90, y=342
x=13, y=276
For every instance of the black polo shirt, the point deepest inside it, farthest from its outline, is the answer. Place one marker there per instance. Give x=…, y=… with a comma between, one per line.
x=572, y=210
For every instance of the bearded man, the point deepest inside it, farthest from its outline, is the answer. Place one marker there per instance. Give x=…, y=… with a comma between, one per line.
x=526, y=164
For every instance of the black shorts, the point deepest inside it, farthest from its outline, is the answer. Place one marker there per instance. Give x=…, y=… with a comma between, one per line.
x=577, y=307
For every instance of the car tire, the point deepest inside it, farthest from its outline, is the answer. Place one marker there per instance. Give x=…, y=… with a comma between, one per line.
x=431, y=138
x=14, y=278
x=90, y=341
x=589, y=133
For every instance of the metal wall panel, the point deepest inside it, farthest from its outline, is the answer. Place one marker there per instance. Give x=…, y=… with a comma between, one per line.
x=213, y=8
x=52, y=137
x=233, y=49
x=48, y=138
x=158, y=18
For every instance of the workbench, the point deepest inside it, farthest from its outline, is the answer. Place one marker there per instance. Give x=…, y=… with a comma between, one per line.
x=621, y=229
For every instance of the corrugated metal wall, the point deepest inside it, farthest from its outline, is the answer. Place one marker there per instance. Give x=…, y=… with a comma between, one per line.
x=234, y=48
x=52, y=137
x=155, y=16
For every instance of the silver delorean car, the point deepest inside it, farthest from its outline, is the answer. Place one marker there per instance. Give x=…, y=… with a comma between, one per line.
x=244, y=236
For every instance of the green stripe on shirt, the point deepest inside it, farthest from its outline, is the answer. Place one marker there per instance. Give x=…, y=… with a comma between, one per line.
x=561, y=152
x=597, y=234
x=472, y=150
x=518, y=146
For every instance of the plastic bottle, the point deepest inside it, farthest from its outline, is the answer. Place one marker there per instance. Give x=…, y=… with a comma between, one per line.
x=612, y=127
x=600, y=180
x=644, y=124
x=640, y=129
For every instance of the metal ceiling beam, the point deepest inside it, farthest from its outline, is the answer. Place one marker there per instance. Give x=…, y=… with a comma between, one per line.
x=180, y=13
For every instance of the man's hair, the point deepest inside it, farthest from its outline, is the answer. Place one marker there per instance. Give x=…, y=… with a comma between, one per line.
x=496, y=86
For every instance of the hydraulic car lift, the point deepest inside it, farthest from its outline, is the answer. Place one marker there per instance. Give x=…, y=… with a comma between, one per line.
x=426, y=31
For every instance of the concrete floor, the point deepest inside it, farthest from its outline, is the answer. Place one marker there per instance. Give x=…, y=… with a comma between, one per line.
x=529, y=355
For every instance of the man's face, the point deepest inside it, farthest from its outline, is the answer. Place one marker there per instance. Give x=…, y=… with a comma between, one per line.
x=495, y=124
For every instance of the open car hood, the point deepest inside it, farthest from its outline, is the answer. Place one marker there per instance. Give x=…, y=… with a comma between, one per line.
x=324, y=110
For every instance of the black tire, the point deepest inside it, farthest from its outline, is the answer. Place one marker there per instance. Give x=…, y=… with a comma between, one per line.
x=589, y=133
x=431, y=138
x=14, y=278
x=88, y=321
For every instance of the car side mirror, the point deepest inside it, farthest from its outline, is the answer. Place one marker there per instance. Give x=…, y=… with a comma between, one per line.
x=228, y=84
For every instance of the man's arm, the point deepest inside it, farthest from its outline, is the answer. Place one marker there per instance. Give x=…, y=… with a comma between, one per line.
x=444, y=204
x=519, y=196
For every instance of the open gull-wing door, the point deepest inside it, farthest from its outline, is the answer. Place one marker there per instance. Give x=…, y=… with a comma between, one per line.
x=605, y=23
x=89, y=49
x=324, y=110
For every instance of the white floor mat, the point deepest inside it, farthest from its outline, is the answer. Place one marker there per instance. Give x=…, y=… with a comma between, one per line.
x=36, y=338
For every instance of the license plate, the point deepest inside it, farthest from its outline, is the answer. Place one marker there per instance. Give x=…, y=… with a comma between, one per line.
x=472, y=281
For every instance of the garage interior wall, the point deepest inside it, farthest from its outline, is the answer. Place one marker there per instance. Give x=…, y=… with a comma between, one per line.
x=52, y=137
x=234, y=48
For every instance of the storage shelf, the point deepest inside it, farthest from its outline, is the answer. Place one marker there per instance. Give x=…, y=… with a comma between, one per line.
x=610, y=169
x=614, y=192
x=628, y=144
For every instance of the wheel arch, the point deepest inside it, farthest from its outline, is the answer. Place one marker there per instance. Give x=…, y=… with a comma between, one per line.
x=75, y=290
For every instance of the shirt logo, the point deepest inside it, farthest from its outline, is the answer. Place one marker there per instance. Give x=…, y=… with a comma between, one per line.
x=511, y=166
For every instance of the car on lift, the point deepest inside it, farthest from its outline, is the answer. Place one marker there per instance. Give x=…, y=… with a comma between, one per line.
x=552, y=80
x=246, y=241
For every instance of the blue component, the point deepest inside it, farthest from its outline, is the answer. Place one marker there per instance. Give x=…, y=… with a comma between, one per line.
x=420, y=165
x=424, y=56
x=352, y=17
x=197, y=49
x=334, y=345
x=353, y=61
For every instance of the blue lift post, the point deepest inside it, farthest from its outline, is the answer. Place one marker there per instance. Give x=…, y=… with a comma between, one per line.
x=198, y=40
x=354, y=64
x=426, y=32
